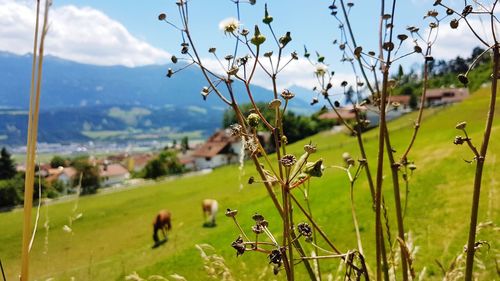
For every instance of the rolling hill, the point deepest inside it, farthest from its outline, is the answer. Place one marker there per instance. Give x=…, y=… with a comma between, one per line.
x=113, y=236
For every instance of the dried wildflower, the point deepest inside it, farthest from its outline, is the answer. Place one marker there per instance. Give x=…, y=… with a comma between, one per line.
x=454, y=23
x=258, y=218
x=288, y=160
x=233, y=71
x=267, y=18
x=162, y=16
x=253, y=120
x=449, y=11
x=417, y=49
x=257, y=39
x=204, y=92
x=236, y=129
x=402, y=37
x=244, y=32
x=304, y=229
x=467, y=10
x=336, y=103
x=229, y=57
x=310, y=148
x=461, y=125
x=275, y=257
x=239, y=246
x=314, y=169
x=314, y=101
x=437, y=2
x=257, y=229
x=275, y=103
x=459, y=140
x=285, y=39
x=251, y=180
x=343, y=84
x=170, y=72
x=295, y=56
x=321, y=69
x=174, y=59
x=231, y=213
x=388, y=46
x=229, y=25
x=287, y=95
x=264, y=223
x=412, y=167
x=463, y=79
x=357, y=52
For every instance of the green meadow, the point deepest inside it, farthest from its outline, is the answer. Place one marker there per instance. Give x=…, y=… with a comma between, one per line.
x=113, y=236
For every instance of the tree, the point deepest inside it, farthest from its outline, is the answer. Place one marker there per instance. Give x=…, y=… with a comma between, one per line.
x=154, y=169
x=89, y=174
x=165, y=164
x=57, y=161
x=7, y=168
x=185, y=144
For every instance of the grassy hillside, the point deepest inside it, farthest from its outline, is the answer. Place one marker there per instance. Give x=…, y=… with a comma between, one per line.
x=113, y=236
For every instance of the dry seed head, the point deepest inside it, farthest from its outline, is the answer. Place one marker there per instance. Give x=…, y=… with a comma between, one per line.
x=454, y=23
x=229, y=25
x=461, y=125
x=253, y=120
x=304, y=229
x=459, y=140
x=463, y=79
x=162, y=16
x=231, y=213
x=274, y=104
x=287, y=95
x=288, y=160
x=310, y=148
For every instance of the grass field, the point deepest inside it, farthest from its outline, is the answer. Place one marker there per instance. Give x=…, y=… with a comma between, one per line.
x=113, y=237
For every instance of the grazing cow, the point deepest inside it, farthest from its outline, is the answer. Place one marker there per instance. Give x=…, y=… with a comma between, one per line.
x=162, y=222
x=209, y=207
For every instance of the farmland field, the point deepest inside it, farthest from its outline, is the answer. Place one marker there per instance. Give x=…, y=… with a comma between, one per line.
x=112, y=238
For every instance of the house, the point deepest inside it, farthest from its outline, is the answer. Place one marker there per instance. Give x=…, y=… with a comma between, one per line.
x=66, y=175
x=443, y=96
x=220, y=149
x=137, y=162
x=112, y=174
x=403, y=101
x=345, y=113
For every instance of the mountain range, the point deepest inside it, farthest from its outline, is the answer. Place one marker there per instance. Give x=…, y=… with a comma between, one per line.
x=81, y=102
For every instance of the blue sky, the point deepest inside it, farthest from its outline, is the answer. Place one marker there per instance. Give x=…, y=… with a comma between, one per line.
x=128, y=33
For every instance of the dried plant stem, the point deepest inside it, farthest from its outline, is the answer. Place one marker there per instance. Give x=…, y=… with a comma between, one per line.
x=325, y=237
x=3, y=273
x=355, y=220
x=348, y=23
x=419, y=117
x=479, y=167
x=379, y=178
x=397, y=202
x=31, y=142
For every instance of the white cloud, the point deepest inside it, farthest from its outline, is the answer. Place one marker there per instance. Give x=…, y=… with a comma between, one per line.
x=460, y=42
x=83, y=34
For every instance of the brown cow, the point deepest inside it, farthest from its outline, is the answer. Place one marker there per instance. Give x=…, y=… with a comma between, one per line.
x=209, y=207
x=162, y=222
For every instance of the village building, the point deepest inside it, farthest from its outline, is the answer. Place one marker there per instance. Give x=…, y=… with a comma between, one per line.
x=113, y=174
x=220, y=149
x=444, y=96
